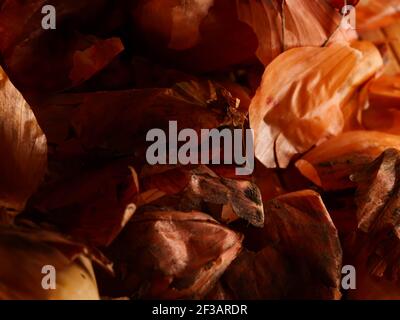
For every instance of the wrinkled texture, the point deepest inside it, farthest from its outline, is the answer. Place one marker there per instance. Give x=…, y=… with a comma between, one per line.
x=330, y=164
x=298, y=24
x=298, y=104
x=182, y=32
x=224, y=199
x=375, y=245
x=123, y=118
x=174, y=255
x=300, y=255
x=113, y=70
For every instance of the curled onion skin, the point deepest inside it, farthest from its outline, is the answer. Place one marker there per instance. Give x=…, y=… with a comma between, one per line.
x=25, y=251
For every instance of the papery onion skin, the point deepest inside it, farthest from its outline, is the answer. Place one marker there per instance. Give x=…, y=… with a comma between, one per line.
x=374, y=248
x=23, y=148
x=298, y=104
x=330, y=164
x=173, y=255
x=25, y=251
x=298, y=236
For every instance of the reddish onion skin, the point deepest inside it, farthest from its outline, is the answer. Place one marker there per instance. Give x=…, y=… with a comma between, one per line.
x=214, y=40
x=339, y=4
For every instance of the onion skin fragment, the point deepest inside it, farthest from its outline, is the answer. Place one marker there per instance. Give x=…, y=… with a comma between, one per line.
x=294, y=110
x=224, y=199
x=44, y=61
x=283, y=25
x=23, y=147
x=195, y=35
x=373, y=14
x=25, y=251
x=375, y=246
x=173, y=255
x=298, y=236
x=330, y=164
x=383, y=112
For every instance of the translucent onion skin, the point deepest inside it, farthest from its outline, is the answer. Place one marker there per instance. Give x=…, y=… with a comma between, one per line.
x=298, y=109
x=25, y=251
x=76, y=282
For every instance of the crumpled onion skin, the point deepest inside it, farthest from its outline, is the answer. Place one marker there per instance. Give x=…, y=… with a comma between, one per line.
x=93, y=205
x=298, y=104
x=173, y=255
x=299, y=254
x=24, y=251
x=124, y=117
x=216, y=34
x=201, y=189
x=23, y=148
x=46, y=60
x=196, y=35
x=298, y=24
x=330, y=164
x=375, y=246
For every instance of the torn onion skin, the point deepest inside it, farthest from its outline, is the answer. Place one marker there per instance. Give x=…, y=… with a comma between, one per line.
x=330, y=164
x=286, y=118
x=375, y=246
x=77, y=191
x=298, y=236
x=173, y=255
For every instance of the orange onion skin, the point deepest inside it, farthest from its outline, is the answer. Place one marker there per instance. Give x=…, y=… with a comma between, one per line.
x=339, y=4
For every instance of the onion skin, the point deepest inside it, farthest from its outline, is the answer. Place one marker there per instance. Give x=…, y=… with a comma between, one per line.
x=339, y=4
x=25, y=251
x=297, y=231
x=330, y=164
x=375, y=246
x=173, y=255
x=286, y=118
